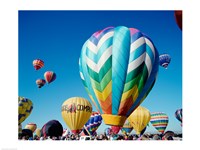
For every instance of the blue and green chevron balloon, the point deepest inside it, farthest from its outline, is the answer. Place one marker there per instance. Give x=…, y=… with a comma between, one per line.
x=118, y=67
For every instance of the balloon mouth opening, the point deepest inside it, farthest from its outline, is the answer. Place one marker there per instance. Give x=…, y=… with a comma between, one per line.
x=114, y=119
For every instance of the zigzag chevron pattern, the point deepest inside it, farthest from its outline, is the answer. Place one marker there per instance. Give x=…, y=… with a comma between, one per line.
x=118, y=66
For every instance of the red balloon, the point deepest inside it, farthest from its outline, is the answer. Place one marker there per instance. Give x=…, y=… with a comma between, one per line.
x=49, y=76
x=178, y=17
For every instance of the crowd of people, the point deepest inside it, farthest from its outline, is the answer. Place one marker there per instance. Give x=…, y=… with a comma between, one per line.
x=72, y=137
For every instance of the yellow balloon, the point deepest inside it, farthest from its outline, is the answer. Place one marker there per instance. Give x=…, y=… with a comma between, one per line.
x=139, y=119
x=37, y=132
x=76, y=111
x=31, y=126
x=25, y=107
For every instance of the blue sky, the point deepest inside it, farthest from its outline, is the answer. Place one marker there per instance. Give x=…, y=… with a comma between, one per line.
x=57, y=37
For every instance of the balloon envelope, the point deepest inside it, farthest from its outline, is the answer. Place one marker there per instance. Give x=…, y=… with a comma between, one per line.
x=27, y=132
x=31, y=126
x=159, y=120
x=93, y=123
x=178, y=115
x=38, y=64
x=164, y=60
x=178, y=18
x=139, y=119
x=52, y=128
x=76, y=111
x=115, y=129
x=40, y=82
x=118, y=67
x=38, y=132
x=25, y=107
x=108, y=131
x=49, y=76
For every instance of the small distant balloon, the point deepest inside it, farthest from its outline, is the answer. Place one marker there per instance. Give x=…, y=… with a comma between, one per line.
x=164, y=60
x=178, y=115
x=31, y=126
x=49, y=76
x=40, y=82
x=38, y=64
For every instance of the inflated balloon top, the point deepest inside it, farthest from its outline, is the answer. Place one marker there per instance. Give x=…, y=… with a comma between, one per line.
x=38, y=64
x=31, y=126
x=52, y=128
x=25, y=107
x=118, y=67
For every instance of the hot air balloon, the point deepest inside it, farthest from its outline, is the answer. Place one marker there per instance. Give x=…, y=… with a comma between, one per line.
x=52, y=128
x=108, y=131
x=27, y=132
x=115, y=129
x=127, y=128
x=139, y=119
x=76, y=111
x=49, y=76
x=178, y=18
x=38, y=64
x=38, y=132
x=40, y=82
x=164, y=60
x=159, y=120
x=31, y=126
x=118, y=67
x=178, y=115
x=25, y=107
x=93, y=123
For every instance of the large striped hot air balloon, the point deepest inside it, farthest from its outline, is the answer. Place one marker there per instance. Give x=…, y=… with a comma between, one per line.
x=93, y=123
x=159, y=120
x=76, y=111
x=25, y=107
x=38, y=64
x=178, y=115
x=118, y=67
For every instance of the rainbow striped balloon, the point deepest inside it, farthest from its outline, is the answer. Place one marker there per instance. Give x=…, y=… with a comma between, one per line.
x=159, y=120
x=118, y=67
